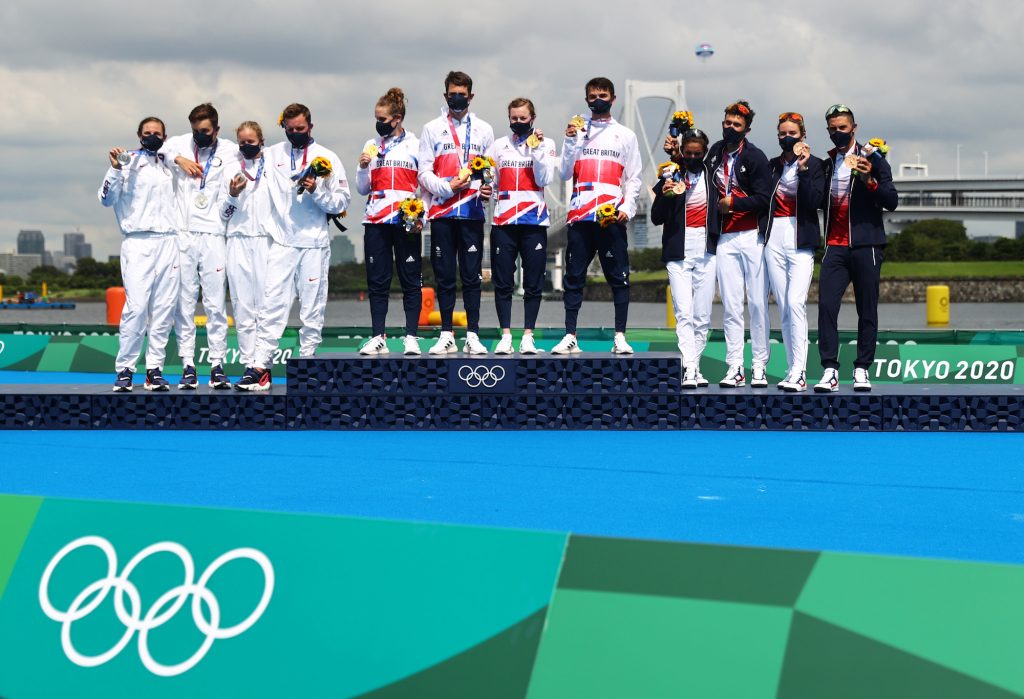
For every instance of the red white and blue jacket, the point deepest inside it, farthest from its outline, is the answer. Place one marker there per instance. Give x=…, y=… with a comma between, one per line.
x=446, y=147
x=604, y=165
x=523, y=173
x=391, y=177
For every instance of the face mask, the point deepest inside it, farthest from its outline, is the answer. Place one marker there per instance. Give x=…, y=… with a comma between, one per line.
x=841, y=138
x=786, y=143
x=521, y=128
x=600, y=106
x=152, y=142
x=458, y=102
x=384, y=128
x=250, y=150
x=299, y=140
x=693, y=164
x=202, y=139
x=732, y=136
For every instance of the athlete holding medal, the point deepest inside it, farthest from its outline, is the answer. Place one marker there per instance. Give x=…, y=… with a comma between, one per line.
x=201, y=175
x=455, y=208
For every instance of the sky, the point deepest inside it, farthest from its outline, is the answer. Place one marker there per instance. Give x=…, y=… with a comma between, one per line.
x=75, y=78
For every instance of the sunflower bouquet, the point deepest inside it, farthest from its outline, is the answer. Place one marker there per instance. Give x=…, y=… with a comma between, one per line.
x=876, y=148
x=607, y=214
x=412, y=212
x=320, y=167
x=669, y=172
x=482, y=168
x=681, y=121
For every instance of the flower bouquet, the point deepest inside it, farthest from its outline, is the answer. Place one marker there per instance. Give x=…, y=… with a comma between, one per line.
x=320, y=167
x=482, y=168
x=607, y=214
x=681, y=122
x=412, y=212
x=669, y=172
x=876, y=148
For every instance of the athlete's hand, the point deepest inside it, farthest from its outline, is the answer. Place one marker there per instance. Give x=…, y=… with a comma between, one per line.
x=725, y=205
x=458, y=183
x=801, y=160
x=571, y=131
x=308, y=182
x=863, y=165
x=191, y=167
x=364, y=160
x=671, y=147
x=621, y=217
x=539, y=134
x=114, y=152
x=486, y=191
x=237, y=184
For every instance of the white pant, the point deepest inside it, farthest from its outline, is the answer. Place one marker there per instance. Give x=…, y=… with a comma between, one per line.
x=741, y=263
x=692, y=281
x=292, y=271
x=790, y=270
x=247, y=272
x=149, y=267
x=203, y=261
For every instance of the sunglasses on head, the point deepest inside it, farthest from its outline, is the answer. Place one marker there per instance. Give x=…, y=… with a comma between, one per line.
x=837, y=109
x=791, y=116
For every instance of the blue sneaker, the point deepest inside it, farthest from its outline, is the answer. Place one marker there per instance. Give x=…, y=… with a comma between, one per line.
x=189, y=381
x=254, y=380
x=218, y=379
x=123, y=383
x=155, y=381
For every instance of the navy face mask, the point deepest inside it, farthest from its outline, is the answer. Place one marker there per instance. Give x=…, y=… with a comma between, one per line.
x=384, y=128
x=520, y=128
x=298, y=140
x=249, y=150
x=786, y=143
x=202, y=139
x=599, y=106
x=458, y=102
x=151, y=142
x=732, y=136
x=841, y=138
x=693, y=164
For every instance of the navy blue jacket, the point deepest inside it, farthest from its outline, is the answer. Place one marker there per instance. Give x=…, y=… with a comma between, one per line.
x=670, y=214
x=754, y=178
x=866, y=205
x=809, y=190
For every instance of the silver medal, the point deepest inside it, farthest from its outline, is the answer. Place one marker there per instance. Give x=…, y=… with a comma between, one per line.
x=201, y=201
x=124, y=158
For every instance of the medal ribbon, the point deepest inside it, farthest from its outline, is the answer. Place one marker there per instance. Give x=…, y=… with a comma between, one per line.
x=209, y=164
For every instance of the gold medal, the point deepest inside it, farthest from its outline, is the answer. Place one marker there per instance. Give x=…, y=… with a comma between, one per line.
x=532, y=141
x=578, y=122
x=465, y=173
x=372, y=150
x=851, y=161
x=801, y=149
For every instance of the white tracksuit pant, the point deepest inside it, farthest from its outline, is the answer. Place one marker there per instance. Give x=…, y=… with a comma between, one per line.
x=692, y=281
x=789, y=271
x=149, y=267
x=247, y=272
x=291, y=271
x=741, y=264
x=203, y=262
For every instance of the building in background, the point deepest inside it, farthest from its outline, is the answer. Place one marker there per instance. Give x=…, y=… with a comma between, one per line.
x=75, y=246
x=15, y=265
x=31, y=243
x=342, y=250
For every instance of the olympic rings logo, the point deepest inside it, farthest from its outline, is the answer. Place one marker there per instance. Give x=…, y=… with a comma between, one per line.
x=173, y=600
x=488, y=377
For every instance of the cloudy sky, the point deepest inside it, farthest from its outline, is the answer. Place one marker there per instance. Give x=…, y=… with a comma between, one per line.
x=75, y=78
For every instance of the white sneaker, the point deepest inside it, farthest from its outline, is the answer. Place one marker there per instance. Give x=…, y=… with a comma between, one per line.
x=504, y=345
x=473, y=345
x=567, y=345
x=733, y=378
x=620, y=346
x=796, y=383
x=410, y=345
x=861, y=382
x=701, y=381
x=689, y=376
x=758, y=377
x=829, y=382
x=784, y=384
x=527, y=345
x=375, y=345
x=445, y=344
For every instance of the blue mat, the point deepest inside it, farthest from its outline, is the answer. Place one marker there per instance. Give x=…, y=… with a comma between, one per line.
x=937, y=495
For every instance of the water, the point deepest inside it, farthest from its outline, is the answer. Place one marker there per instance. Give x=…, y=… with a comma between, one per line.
x=892, y=316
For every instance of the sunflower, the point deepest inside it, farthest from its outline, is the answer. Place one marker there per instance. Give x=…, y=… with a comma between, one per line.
x=413, y=208
x=321, y=166
x=683, y=118
x=668, y=165
x=606, y=211
x=478, y=163
x=280, y=119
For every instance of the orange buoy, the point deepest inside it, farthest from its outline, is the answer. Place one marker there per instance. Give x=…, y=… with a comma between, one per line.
x=427, y=306
x=115, y=304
